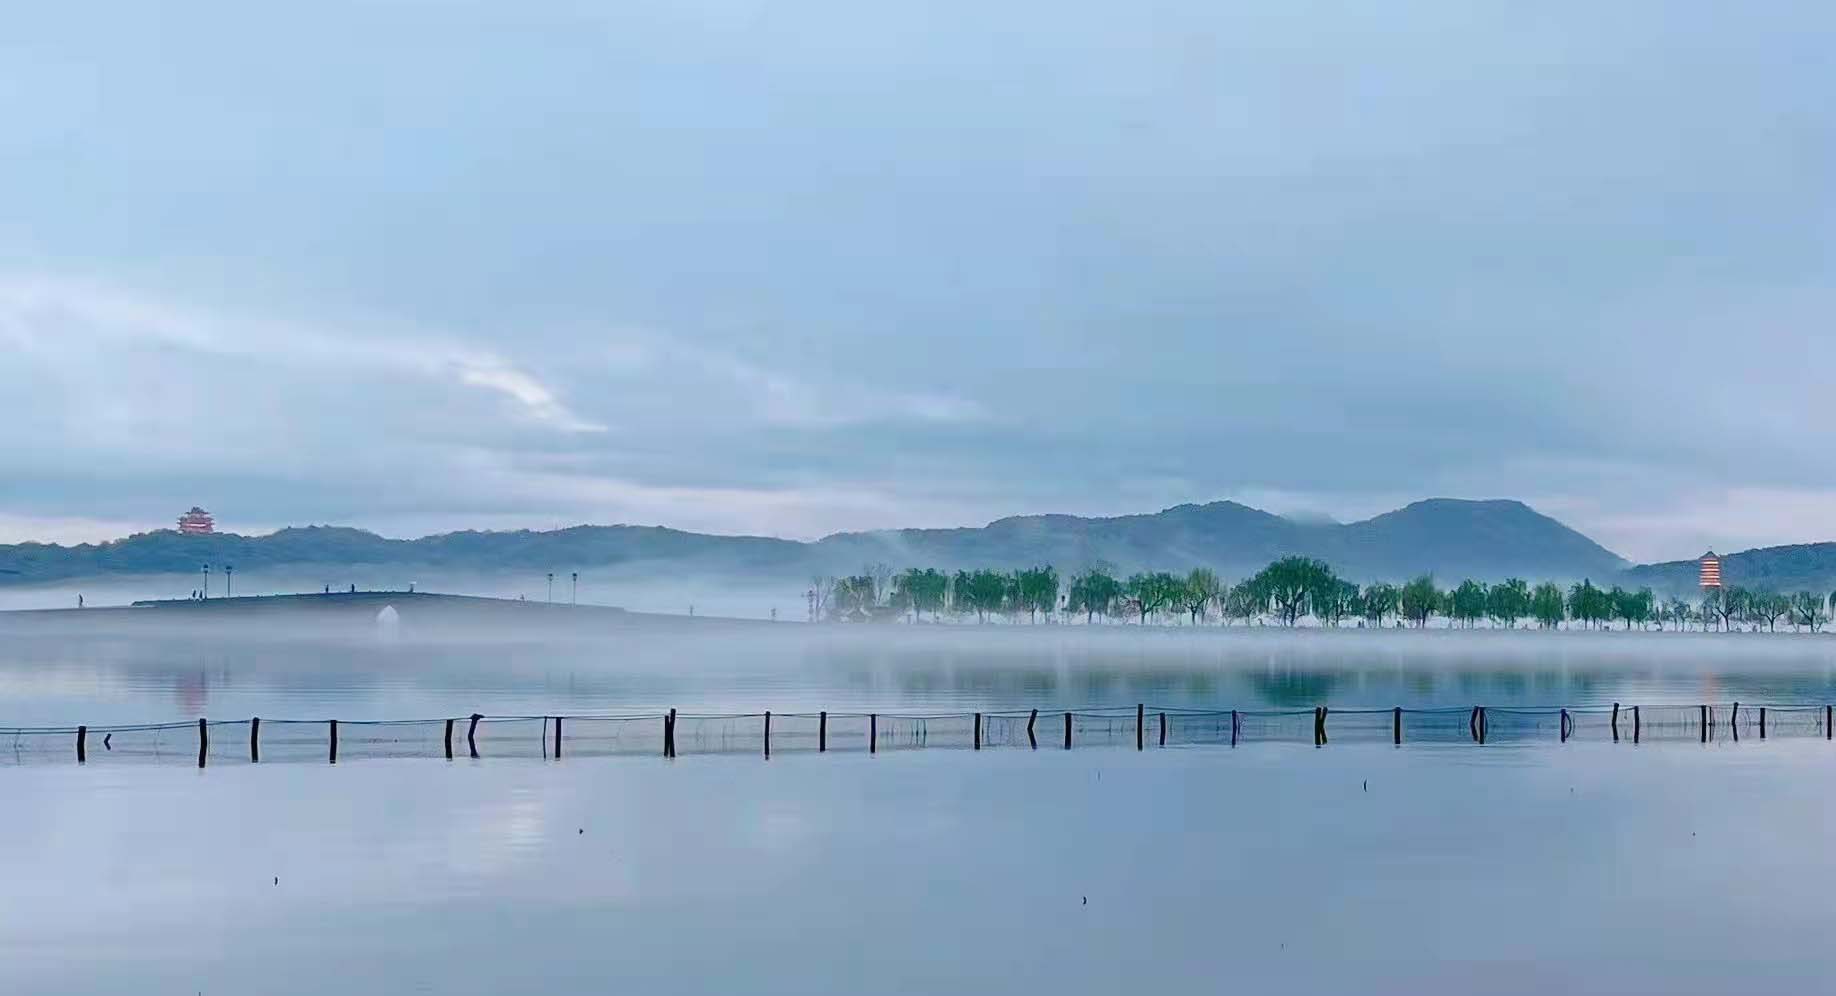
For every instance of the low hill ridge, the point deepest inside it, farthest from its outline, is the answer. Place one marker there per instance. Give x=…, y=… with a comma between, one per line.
x=1447, y=537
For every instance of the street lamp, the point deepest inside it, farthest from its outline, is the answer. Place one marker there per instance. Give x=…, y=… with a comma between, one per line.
x=574, y=598
x=551, y=587
x=206, y=592
x=229, y=577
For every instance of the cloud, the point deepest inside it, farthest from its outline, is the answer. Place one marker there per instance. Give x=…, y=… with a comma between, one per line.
x=893, y=262
x=68, y=326
x=537, y=400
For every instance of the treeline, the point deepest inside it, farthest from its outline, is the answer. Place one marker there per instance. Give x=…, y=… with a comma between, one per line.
x=1289, y=592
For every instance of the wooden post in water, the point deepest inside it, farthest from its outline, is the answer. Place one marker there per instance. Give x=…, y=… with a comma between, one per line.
x=1563, y=726
x=1762, y=722
x=768, y=733
x=1031, y=740
x=1702, y=722
x=1067, y=731
x=1734, y=721
x=449, y=739
x=334, y=741
x=82, y=748
x=978, y=731
x=1163, y=729
x=557, y=738
x=1396, y=726
x=471, y=735
x=1636, y=724
x=255, y=740
x=1482, y=724
x=1233, y=727
x=1615, y=722
x=822, y=731
x=1472, y=724
x=1140, y=721
x=669, y=733
x=1826, y=722
x=203, y=741
x=873, y=731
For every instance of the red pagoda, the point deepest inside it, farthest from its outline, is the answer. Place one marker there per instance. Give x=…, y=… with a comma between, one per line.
x=196, y=522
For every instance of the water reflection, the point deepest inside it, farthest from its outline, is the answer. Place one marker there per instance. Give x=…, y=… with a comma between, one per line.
x=102, y=677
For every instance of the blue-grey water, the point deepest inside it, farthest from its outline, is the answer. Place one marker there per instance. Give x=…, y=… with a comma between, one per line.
x=1522, y=866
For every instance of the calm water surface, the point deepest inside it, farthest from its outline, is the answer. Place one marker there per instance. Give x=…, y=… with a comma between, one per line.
x=1585, y=867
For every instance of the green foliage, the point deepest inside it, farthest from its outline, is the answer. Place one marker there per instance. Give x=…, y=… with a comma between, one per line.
x=1337, y=600
x=1765, y=608
x=980, y=592
x=1589, y=604
x=1807, y=610
x=1244, y=602
x=1508, y=601
x=1419, y=600
x=1291, y=589
x=1094, y=593
x=1292, y=585
x=1152, y=592
x=854, y=597
x=1723, y=604
x=1633, y=607
x=917, y=591
x=1380, y=599
x=1202, y=588
x=1034, y=591
x=1546, y=605
x=1467, y=603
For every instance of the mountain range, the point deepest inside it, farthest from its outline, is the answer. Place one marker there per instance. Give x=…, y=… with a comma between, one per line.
x=1448, y=538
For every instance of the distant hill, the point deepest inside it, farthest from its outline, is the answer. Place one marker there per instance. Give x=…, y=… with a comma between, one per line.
x=1442, y=536
x=1799, y=567
x=1446, y=537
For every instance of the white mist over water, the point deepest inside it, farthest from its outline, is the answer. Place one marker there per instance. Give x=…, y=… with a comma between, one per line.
x=1283, y=869
x=1430, y=868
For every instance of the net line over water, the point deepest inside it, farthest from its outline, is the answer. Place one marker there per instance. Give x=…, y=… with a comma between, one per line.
x=672, y=734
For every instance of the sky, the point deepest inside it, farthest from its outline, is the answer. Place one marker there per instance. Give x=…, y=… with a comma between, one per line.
x=796, y=267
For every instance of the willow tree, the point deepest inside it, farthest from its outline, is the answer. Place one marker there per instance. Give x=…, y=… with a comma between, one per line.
x=1467, y=602
x=1588, y=603
x=980, y=592
x=854, y=596
x=1807, y=610
x=1766, y=607
x=1035, y=591
x=1292, y=584
x=1508, y=601
x=1419, y=600
x=1546, y=605
x=1379, y=599
x=1724, y=604
x=1200, y=590
x=1094, y=593
x=919, y=591
x=1337, y=600
x=1632, y=606
x=1243, y=601
x=1152, y=591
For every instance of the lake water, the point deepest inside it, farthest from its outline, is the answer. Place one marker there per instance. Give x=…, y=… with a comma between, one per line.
x=1525, y=865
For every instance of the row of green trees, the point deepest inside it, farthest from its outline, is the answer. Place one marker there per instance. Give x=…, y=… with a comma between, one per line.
x=1291, y=590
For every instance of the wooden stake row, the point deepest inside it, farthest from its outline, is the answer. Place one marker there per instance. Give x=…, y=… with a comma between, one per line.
x=1477, y=728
